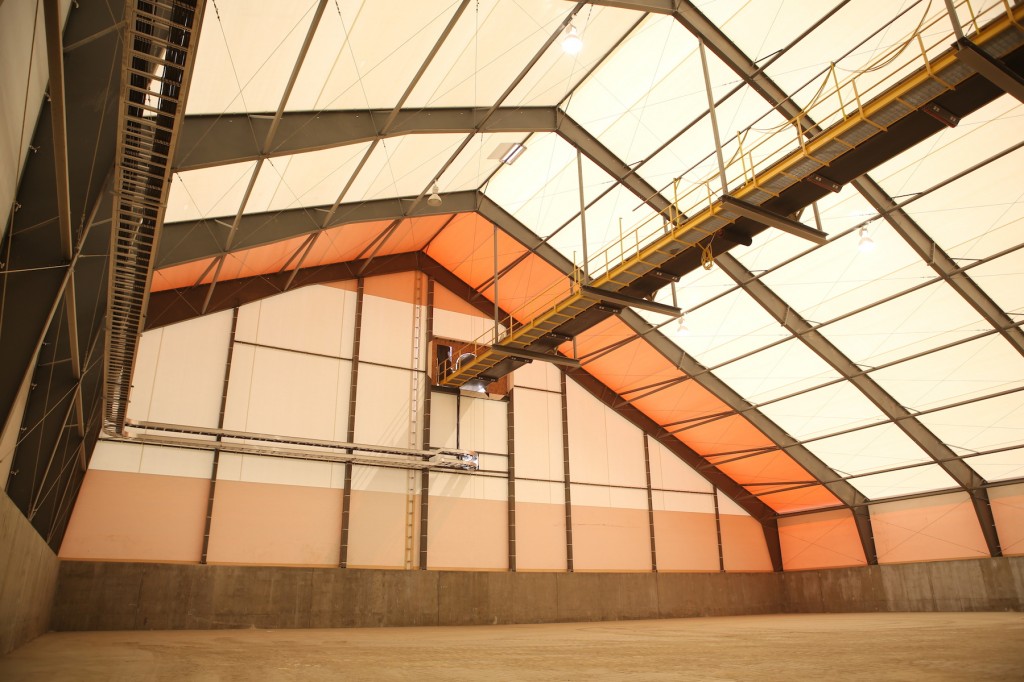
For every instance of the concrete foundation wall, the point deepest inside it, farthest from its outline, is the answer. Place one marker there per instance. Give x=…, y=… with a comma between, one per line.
x=128, y=596
x=28, y=579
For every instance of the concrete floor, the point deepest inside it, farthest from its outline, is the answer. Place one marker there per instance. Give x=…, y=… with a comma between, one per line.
x=893, y=646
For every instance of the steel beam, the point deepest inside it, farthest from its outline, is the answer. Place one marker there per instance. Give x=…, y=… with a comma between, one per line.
x=957, y=469
x=990, y=68
x=772, y=219
x=210, y=140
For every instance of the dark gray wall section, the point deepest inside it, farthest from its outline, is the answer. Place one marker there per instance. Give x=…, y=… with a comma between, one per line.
x=28, y=579
x=128, y=596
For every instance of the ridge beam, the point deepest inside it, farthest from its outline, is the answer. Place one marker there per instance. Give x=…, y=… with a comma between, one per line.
x=990, y=68
x=772, y=219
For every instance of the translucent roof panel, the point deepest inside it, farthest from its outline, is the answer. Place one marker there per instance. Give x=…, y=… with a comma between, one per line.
x=489, y=47
x=976, y=215
x=968, y=370
x=541, y=189
x=904, y=482
x=403, y=166
x=729, y=326
x=778, y=371
x=247, y=55
x=921, y=320
x=478, y=161
x=979, y=426
x=556, y=73
x=999, y=466
x=1000, y=278
x=837, y=278
x=353, y=64
x=867, y=450
x=696, y=288
x=613, y=223
x=208, y=192
x=762, y=28
x=823, y=411
x=309, y=179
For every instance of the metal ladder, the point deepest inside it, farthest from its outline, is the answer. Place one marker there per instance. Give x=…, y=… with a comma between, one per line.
x=412, y=479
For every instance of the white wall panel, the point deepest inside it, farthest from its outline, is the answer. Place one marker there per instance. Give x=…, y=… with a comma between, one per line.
x=315, y=319
x=726, y=507
x=603, y=447
x=383, y=414
x=151, y=459
x=483, y=425
x=608, y=497
x=468, y=487
x=538, y=434
x=541, y=375
x=380, y=480
x=443, y=420
x=460, y=326
x=671, y=473
x=179, y=374
x=683, y=502
x=387, y=332
x=540, y=492
x=114, y=456
x=288, y=393
x=257, y=469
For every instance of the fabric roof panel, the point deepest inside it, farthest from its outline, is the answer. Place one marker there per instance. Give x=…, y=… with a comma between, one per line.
x=247, y=54
x=866, y=450
x=466, y=248
x=1000, y=466
x=403, y=166
x=207, y=192
x=823, y=411
x=727, y=327
x=904, y=482
x=309, y=179
x=995, y=422
x=354, y=64
x=777, y=371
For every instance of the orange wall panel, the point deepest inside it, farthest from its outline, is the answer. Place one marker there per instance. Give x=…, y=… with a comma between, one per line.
x=268, y=524
x=686, y=541
x=467, y=534
x=927, y=529
x=540, y=537
x=743, y=545
x=137, y=517
x=823, y=540
x=1008, y=510
x=376, y=530
x=610, y=539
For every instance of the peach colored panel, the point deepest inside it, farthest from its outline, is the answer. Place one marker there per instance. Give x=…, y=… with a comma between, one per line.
x=743, y=545
x=772, y=467
x=261, y=260
x=824, y=540
x=376, y=531
x=412, y=234
x=268, y=524
x=686, y=541
x=540, y=536
x=446, y=300
x=467, y=534
x=609, y=539
x=137, y=517
x=184, y=275
x=344, y=242
x=397, y=287
x=466, y=248
x=799, y=499
x=927, y=529
x=1008, y=510
x=530, y=288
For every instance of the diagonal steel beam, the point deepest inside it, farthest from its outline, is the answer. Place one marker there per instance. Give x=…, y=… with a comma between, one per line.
x=957, y=469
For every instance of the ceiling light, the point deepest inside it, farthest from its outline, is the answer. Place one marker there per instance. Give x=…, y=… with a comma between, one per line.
x=572, y=43
x=513, y=153
x=681, y=327
x=434, y=199
x=866, y=243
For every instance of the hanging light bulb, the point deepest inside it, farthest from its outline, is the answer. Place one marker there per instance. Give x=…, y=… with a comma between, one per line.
x=434, y=199
x=866, y=243
x=681, y=327
x=572, y=43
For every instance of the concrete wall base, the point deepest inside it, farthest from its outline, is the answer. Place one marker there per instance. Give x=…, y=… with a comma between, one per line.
x=28, y=579
x=131, y=596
